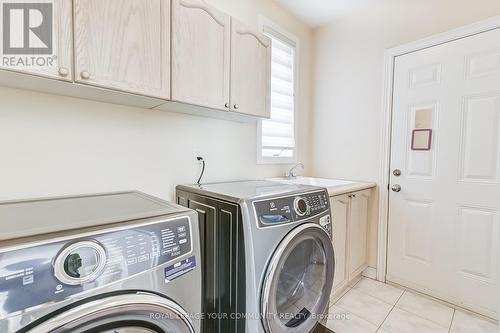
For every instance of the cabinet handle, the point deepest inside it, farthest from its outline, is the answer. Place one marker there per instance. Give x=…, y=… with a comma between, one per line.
x=226, y=105
x=63, y=71
x=85, y=75
x=236, y=106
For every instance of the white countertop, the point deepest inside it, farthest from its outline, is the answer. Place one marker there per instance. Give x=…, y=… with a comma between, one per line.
x=334, y=186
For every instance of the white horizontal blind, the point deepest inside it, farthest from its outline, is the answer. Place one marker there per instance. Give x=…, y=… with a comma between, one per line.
x=278, y=133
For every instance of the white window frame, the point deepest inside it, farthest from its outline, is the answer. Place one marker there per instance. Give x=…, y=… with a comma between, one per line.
x=264, y=23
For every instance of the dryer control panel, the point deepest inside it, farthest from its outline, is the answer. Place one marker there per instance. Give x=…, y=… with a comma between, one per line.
x=54, y=270
x=271, y=212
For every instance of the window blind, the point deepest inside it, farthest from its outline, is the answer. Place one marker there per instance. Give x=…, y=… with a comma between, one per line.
x=278, y=133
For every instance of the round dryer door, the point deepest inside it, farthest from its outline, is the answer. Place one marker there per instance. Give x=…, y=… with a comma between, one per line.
x=299, y=280
x=126, y=313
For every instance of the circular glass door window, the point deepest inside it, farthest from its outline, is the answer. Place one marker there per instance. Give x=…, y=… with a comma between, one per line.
x=299, y=281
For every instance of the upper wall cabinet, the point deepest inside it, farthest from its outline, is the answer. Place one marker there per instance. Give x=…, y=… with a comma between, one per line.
x=52, y=54
x=250, y=71
x=123, y=45
x=201, y=37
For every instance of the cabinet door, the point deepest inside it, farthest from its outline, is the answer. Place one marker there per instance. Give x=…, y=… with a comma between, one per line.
x=56, y=64
x=250, y=71
x=123, y=45
x=340, y=215
x=358, y=229
x=201, y=37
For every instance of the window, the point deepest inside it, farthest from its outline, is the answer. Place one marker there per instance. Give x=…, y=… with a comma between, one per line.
x=277, y=136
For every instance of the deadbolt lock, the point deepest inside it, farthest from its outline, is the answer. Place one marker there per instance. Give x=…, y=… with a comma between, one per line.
x=396, y=172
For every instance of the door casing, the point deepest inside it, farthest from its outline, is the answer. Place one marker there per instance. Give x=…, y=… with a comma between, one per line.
x=387, y=109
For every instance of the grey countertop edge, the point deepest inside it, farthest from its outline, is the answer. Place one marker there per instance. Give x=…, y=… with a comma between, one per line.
x=358, y=186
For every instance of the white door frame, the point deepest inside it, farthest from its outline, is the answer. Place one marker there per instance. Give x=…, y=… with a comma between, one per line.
x=388, y=81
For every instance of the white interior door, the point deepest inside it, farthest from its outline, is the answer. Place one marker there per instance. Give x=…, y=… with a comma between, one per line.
x=444, y=222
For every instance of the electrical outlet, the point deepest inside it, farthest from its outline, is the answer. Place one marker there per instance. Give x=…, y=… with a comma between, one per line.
x=196, y=154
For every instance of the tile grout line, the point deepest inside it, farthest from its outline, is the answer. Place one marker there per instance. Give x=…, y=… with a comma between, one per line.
x=424, y=318
x=392, y=309
x=452, y=319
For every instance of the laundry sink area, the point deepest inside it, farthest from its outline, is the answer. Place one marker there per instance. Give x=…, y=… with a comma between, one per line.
x=334, y=186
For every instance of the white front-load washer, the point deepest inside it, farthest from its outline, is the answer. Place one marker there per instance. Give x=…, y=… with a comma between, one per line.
x=111, y=263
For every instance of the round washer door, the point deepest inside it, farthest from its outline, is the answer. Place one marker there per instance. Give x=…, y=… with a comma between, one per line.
x=299, y=280
x=125, y=313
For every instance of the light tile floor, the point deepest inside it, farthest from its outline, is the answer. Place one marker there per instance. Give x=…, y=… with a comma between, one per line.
x=374, y=307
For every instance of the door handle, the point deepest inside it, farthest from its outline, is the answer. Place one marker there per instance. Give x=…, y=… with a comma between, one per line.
x=396, y=188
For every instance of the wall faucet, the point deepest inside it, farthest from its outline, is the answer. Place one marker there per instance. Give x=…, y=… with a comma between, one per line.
x=291, y=173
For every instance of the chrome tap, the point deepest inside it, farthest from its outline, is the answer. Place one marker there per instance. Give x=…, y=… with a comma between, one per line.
x=291, y=173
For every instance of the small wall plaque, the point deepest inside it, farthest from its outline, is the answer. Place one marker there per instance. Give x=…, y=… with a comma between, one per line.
x=421, y=139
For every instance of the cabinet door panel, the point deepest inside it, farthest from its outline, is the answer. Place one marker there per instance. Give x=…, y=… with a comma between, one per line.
x=250, y=71
x=358, y=229
x=201, y=37
x=340, y=215
x=58, y=64
x=123, y=45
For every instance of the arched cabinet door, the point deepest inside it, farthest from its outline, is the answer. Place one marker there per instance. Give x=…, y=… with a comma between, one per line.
x=201, y=38
x=250, y=71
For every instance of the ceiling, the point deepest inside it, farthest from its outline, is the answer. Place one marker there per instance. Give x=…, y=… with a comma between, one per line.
x=318, y=12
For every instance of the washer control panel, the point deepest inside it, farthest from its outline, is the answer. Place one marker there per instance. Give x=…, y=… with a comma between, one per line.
x=52, y=271
x=278, y=211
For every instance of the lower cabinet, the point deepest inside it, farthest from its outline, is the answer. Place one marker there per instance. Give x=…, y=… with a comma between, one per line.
x=350, y=229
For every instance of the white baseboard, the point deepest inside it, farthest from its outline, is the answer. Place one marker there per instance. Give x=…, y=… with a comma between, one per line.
x=370, y=272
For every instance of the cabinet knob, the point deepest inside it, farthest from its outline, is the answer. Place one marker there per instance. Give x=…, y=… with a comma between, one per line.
x=226, y=105
x=236, y=106
x=85, y=75
x=63, y=71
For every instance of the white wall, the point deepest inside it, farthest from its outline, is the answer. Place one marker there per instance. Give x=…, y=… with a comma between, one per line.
x=53, y=145
x=348, y=63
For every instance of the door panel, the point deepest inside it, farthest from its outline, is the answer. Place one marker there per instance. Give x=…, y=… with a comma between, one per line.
x=123, y=45
x=444, y=223
x=207, y=220
x=480, y=143
x=201, y=37
x=223, y=261
x=250, y=71
x=358, y=229
x=340, y=212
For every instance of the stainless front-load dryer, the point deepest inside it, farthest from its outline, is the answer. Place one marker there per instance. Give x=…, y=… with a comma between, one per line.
x=275, y=260
x=111, y=263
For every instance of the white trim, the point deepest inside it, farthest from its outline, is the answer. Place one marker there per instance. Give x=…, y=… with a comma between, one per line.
x=266, y=22
x=385, y=135
x=370, y=273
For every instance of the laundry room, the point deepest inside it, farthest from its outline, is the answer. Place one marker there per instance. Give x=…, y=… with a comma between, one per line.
x=249, y=166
